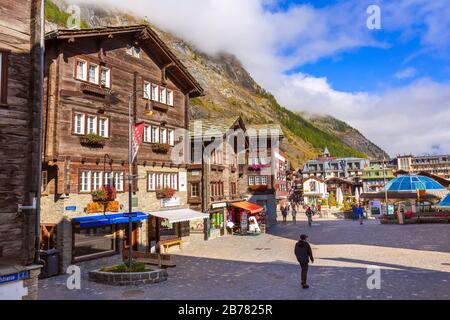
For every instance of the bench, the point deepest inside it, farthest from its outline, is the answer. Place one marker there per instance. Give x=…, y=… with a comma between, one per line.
x=170, y=242
x=154, y=259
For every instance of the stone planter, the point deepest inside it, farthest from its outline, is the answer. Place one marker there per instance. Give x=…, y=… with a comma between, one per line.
x=128, y=279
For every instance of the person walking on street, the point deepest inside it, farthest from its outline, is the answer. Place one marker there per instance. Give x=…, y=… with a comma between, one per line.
x=284, y=213
x=360, y=212
x=304, y=255
x=354, y=212
x=309, y=214
x=294, y=214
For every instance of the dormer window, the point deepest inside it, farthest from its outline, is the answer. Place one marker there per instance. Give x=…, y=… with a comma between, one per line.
x=134, y=51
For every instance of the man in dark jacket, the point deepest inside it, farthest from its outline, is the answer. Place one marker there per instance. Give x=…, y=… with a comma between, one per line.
x=304, y=255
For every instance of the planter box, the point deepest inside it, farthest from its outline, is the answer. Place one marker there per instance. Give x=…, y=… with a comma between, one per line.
x=160, y=148
x=129, y=279
x=92, y=144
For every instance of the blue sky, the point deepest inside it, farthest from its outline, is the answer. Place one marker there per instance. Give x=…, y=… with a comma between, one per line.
x=373, y=69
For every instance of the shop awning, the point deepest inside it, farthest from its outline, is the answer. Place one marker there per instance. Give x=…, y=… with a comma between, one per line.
x=247, y=206
x=445, y=203
x=179, y=215
x=108, y=219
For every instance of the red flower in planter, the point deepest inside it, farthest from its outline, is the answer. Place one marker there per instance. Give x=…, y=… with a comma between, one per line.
x=165, y=193
x=105, y=194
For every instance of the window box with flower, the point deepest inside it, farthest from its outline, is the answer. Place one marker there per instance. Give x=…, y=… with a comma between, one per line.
x=93, y=140
x=162, y=148
x=165, y=193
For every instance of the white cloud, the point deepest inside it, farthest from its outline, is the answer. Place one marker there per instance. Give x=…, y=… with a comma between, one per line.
x=408, y=119
x=406, y=73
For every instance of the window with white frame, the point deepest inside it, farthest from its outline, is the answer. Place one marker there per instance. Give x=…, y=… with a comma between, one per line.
x=162, y=95
x=155, y=134
x=264, y=180
x=118, y=181
x=92, y=125
x=171, y=134
x=163, y=132
x=154, y=96
x=97, y=180
x=147, y=86
x=93, y=73
x=195, y=190
x=148, y=134
x=79, y=123
x=85, y=181
x=109, y=179
x=134, y=51
x=81, y=70
x=152, y=181
x=103, y=130
x=105, y=77
x=251, y=180
x=157, y=180
x=170, y=97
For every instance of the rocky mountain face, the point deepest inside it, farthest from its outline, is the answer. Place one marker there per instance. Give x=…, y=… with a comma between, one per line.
x=231, y=91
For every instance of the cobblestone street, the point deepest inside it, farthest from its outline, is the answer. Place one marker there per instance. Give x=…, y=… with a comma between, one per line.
x=414, y=262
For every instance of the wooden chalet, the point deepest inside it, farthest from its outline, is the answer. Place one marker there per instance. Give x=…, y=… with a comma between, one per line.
x=92, y=76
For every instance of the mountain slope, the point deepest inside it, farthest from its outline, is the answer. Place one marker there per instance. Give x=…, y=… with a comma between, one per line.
x=231, y=91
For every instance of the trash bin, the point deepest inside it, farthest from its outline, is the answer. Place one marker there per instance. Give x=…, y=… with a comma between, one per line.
x=51, y=262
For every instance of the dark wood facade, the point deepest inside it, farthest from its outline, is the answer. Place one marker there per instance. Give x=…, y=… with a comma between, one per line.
x=67, y=95
x=19, y=62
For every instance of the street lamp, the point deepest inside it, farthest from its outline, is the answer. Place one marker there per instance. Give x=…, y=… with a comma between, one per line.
x=130, y=175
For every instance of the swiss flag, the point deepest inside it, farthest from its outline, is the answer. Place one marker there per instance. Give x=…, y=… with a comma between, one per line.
x=138, y=136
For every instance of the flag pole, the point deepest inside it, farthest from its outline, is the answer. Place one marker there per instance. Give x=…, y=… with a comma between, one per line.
x=130, y=183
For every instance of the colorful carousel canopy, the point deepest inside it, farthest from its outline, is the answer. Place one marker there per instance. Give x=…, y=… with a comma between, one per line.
x=412, y=183
x=445, y=203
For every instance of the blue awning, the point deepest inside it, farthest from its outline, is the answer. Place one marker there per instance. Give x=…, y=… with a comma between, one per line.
x=108, y=219
x=445, y=202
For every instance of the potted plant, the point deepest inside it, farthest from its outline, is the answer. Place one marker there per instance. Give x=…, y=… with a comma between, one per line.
x=165, y=193
x=93, y=140
x=105, y=194
x=160, y=148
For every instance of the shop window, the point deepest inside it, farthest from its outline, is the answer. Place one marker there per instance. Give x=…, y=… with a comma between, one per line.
x=94, y=242
x=48, y=237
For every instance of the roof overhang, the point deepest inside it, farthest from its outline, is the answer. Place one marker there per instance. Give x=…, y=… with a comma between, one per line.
x=146, y=35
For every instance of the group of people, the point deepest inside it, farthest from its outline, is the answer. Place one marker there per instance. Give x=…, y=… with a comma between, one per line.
x=310, y=211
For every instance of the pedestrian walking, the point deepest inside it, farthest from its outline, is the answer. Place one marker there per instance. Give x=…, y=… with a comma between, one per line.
x=309, y=214
x=284, y=213
x=354, y=212
x=360, y=212
x=294, y=214
x=304, y=255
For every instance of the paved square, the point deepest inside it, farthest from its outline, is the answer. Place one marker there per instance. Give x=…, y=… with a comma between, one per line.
x=414, y=262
